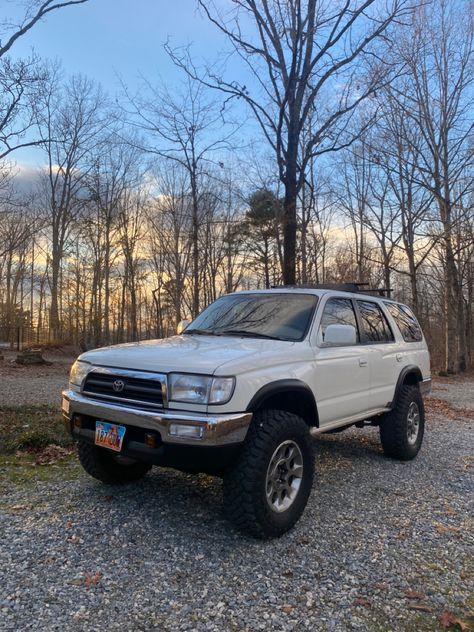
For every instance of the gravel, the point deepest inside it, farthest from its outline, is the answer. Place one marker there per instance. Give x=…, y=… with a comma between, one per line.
x=383, y=545
x=34, y=384
x=457, y=392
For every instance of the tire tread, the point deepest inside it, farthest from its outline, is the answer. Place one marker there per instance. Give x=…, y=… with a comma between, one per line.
x=393, y=432
x=240, y=493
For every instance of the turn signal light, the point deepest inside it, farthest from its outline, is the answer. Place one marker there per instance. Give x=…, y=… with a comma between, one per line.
x=150, y=440
x=77, y=422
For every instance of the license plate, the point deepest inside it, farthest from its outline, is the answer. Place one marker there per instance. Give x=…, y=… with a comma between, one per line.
x=109, y=435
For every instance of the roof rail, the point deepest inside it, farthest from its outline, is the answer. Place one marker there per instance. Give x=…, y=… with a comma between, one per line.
x=342, y=287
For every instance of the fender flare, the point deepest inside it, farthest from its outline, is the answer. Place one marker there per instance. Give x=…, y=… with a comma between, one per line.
x=285, y=386
x=407, y=370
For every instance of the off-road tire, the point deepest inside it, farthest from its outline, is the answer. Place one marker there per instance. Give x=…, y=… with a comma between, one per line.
x=245, y=498
x=104, y=466
x=394, y=433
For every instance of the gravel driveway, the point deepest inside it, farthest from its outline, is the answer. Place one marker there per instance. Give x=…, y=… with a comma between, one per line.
x=33, y=384
x=383, y=545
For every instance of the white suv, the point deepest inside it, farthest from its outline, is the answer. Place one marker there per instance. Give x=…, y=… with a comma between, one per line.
x=241, y=390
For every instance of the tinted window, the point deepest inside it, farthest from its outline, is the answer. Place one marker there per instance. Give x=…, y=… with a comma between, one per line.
x=337, y=311
x=406, y=322
x=275, y=315
x=375, y=327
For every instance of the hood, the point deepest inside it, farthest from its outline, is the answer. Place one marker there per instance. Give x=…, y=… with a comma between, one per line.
x=190, y=354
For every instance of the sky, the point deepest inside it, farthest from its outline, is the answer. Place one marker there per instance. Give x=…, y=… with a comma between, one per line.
x=105, y=39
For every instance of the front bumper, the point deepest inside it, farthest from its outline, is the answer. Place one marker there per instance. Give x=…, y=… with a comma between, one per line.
x=216, y=429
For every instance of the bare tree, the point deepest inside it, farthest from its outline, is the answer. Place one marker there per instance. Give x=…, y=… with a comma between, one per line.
x=186, y=128
x=438, y=51
x=21, y=80
x=70, y=124
x=115, y=170
x=170, y=230
x=301, y=62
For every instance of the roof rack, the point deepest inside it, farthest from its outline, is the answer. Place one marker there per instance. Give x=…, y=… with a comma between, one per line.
x=342, y=287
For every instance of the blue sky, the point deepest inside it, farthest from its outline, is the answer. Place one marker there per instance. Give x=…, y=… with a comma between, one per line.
x=102, y=37
x=106, y=38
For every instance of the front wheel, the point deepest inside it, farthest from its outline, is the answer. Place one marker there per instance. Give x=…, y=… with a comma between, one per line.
x=109, y=467
x=267, y=489
x=402, y=429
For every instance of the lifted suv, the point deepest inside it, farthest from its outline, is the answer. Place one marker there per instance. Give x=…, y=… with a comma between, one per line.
x=241, y=390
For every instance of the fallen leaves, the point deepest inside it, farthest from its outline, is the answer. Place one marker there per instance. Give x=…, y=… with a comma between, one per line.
x=92, y=579
x=287, y=609
x=442, y=407
x=466, y=463
x=442, y=529
x=89, y=579
x=52, y=454
x=362, y=601
x=449, y=620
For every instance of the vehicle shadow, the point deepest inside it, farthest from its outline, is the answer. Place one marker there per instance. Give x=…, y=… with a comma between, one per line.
x=166, y=499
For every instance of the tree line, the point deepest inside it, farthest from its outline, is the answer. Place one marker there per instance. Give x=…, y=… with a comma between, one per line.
x=344, y=154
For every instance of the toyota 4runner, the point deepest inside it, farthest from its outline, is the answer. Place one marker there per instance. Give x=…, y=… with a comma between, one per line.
x=241, y=390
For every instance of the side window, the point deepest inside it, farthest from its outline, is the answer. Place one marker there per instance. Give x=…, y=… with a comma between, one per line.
x=337, y=311
x=406, y=322
x=375, y=327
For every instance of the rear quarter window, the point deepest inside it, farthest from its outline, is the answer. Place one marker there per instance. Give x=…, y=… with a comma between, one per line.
x=375, y=327
x=406, y=322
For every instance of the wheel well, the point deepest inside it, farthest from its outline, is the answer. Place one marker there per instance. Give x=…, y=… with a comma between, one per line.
x=412, y=378
x=298, y=402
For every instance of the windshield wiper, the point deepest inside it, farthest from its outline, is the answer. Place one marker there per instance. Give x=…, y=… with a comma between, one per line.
x=248, y=334
x=201, y=332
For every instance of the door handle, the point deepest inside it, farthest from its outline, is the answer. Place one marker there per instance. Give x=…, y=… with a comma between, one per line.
x=362, y=362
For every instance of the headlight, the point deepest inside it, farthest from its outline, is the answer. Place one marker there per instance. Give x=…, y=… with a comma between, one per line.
x=200, y=389
x=79, y=370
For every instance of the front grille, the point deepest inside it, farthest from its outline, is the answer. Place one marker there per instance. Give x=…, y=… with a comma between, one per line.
x=124, y=388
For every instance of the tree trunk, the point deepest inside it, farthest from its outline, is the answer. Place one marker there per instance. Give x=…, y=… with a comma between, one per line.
x=290, y=226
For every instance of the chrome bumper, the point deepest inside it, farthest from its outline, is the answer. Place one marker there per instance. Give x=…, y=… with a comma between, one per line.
x=217, y=430
x=425, y=386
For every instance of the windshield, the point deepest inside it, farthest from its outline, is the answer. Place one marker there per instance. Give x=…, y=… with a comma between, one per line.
x=276, y=316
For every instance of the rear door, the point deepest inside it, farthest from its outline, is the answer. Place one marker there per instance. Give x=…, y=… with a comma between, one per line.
x=342, y=379
x=383, y=352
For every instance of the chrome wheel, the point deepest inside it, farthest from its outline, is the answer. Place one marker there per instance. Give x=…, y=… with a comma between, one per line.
x=284, y=475
x=413, y=423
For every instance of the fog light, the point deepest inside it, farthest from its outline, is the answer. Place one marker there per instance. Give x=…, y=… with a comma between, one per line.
x=77, y=422
x=182, y=430
x=150, y=440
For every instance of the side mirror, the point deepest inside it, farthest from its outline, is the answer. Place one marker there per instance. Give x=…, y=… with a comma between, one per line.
x=182, y=326
x=340, y=335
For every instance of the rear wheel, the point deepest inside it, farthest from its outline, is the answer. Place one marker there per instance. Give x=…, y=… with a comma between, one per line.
x=267, y=489
x=402, y=429
x=109, y=467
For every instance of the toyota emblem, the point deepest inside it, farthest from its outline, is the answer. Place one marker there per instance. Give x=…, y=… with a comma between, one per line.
x=118, y=385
